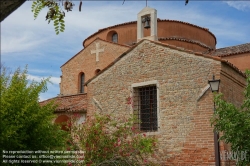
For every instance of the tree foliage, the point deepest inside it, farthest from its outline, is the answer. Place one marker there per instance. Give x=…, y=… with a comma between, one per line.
x=234, y=123
x=55, y=13
x=25, y=125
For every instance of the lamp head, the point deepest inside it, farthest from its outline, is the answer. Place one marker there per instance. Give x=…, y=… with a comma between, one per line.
x=214, y=84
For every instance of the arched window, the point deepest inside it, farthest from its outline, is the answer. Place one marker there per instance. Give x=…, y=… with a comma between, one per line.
x=112, y=36
x=115, y=38
x=64, y=121
x=82, y=83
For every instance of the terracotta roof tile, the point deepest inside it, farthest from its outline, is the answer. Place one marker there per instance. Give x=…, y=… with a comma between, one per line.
x=113, y=42
x=234, y=67
x=185, y=40
x=70, y=103
x=227, y=51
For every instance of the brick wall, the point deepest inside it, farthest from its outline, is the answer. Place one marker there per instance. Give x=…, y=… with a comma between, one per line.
x=232, y=85
x=85, y=62
x=185, y=134
x=242, y=61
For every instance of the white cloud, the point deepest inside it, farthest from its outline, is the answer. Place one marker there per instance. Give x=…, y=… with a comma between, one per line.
x=20, y=43
x=54, y=80
x=39, y=71
x=239, y=5
x=53, y=91
x=224, y=27
x=42, y=98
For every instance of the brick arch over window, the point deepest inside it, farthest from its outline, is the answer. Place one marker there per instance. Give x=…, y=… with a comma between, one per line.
x=81, y=82
x=112, y=36
x=63, y=121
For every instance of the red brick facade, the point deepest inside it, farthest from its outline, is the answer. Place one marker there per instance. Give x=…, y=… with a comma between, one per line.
x=232, y=85
x=85, y=62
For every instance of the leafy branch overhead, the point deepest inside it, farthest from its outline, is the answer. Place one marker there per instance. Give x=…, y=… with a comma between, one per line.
x=55, y=12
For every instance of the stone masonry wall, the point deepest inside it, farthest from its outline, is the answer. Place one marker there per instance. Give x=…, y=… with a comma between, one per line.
x=86, y=62
x=185, y=135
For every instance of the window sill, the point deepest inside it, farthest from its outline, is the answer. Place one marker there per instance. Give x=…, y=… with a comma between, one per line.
x=152, y=133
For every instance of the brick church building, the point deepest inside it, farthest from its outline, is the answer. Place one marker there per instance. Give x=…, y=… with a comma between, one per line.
x=157, y=70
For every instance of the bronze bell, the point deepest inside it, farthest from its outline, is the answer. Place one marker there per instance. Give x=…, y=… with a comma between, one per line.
x=146, y=21
x=146, y=25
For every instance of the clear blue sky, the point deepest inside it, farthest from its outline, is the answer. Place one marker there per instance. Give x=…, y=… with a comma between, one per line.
x=34, y=42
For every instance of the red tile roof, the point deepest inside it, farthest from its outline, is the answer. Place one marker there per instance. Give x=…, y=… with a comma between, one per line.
x=234, y=67
x=70, y=103
x=185, y=40
x=233, y=50
x=159, y=20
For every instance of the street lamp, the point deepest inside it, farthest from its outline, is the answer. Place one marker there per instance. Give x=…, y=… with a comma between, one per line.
x=214, y=85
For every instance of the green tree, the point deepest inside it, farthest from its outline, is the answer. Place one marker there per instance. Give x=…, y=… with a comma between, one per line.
x=234, y=123
x=24, y=124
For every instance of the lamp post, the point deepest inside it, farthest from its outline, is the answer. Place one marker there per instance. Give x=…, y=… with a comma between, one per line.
x=214, y=85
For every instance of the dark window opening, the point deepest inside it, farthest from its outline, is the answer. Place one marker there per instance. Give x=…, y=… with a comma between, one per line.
x=82, y=83
x=97, y=71
x=63, y=120
x=146, y=105
x=115, y=38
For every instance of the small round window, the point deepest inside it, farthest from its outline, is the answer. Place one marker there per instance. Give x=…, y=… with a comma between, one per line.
x=97, y=71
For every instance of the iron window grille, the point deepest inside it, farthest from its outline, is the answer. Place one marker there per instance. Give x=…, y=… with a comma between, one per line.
x=145, y=108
